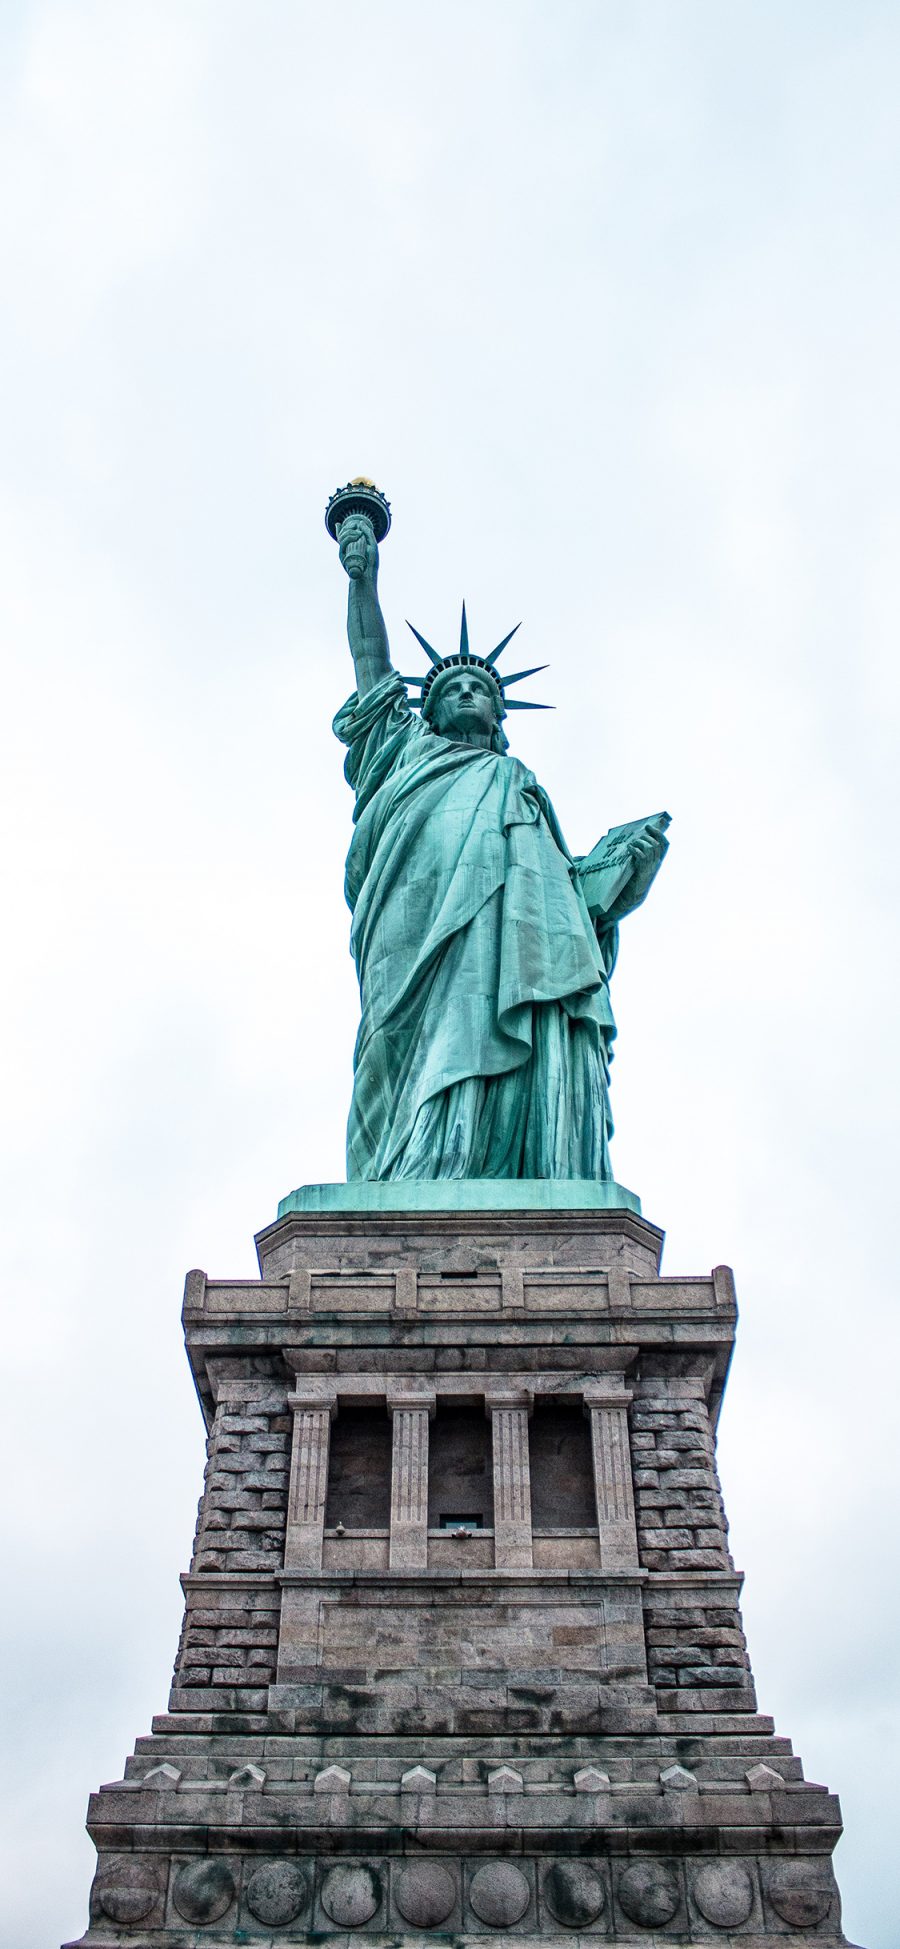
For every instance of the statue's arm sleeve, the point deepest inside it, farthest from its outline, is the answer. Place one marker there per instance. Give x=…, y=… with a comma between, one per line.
x=608, y=941
x=380, y=733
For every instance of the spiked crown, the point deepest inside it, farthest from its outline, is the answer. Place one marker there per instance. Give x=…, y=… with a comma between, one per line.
x=464, y=659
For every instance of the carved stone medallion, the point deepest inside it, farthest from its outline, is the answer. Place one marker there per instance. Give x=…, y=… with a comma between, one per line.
x=351, y=1895
x=574, y=1893
x=723, y=1892
x=499, y=1894
x=203, y=1891
x=277, y=1892
x=425, y=1893
x=648, y=1892
x=126, y=1890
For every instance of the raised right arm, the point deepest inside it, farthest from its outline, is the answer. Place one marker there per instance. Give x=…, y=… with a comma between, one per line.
x=366, y=631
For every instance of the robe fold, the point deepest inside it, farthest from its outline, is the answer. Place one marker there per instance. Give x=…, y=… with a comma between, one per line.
x=483, y=1047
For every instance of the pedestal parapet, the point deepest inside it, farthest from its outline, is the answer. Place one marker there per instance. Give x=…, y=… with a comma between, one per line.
x=462, y=1651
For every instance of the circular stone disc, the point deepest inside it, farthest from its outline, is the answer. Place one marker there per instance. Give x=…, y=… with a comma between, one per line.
x=648, y=1892
x=126, y=1890
x=277, y=1892
x=351, y=1895
x=723, y=1893
x=425, y=1894
x=798, y=1896
x=574, y=1893
x=499, y=1894
x=203, y=1891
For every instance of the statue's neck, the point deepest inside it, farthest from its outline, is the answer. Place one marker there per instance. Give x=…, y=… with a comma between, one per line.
x=482, y=738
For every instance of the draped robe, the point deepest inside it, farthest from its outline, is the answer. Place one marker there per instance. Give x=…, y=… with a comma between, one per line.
x=484, y=1042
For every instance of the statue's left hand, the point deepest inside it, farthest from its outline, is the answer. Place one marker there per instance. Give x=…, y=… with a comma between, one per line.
x=649, y=846
x=357, y=548
x=646, y=851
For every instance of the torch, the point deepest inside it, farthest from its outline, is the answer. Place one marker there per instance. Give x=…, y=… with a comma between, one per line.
x=360, y=496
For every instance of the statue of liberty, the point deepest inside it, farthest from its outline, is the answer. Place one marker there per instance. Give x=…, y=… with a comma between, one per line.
x=483, y=948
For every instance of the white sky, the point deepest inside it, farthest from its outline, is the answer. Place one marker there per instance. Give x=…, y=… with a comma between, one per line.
x=606, y=296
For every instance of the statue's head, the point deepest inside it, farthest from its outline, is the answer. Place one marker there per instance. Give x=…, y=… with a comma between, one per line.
x=464, y=694
x=466, y=698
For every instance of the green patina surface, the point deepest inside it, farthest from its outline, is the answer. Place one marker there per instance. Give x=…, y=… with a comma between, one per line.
x=463, y=1194
x=483, y=946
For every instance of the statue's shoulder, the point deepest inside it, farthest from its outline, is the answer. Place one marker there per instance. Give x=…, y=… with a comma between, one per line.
x=384, y=708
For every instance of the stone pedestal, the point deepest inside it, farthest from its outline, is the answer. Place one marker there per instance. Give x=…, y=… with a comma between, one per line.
x=462, y=1652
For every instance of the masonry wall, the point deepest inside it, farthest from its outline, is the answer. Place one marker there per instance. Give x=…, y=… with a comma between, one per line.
x=227, y=1653
x=696, y=1650
x=242, y=1511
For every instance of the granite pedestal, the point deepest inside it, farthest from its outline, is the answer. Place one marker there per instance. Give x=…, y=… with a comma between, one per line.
x=462, y=1653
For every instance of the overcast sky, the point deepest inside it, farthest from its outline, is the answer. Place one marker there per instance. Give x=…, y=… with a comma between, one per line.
x=605, y=294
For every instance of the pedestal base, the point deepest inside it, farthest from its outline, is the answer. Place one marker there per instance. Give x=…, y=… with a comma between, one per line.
x=462, y=1653
x=461, y=1195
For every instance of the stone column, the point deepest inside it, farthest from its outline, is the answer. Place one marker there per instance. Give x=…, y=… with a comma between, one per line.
x=309, y=1481
x=613, y=1486
x=512, y=1480
x=411, y=1414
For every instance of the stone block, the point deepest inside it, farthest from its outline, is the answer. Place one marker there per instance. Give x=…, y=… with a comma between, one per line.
x=695, y=1559
x=589, y=1779
x=162, y=1778
x=764, y=1779
x=677, y=1779
x=332, y=1779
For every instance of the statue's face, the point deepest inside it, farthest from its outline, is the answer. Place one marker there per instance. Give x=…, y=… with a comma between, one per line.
x=466, y=702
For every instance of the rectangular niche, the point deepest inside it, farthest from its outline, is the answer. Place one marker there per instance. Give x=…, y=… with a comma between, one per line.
x=359, y=1469
x=460, y=1477
x=562, y=1473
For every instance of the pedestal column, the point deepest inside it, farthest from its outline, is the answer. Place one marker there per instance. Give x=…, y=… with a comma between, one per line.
x=308, y=1482
x=409, y=1480
x=512, y=1480
x=613, y=1487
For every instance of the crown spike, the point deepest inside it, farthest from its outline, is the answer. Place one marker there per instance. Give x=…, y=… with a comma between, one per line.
x=501, y=646
x=519, y=676
x=436, y=660
x=465, y=657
